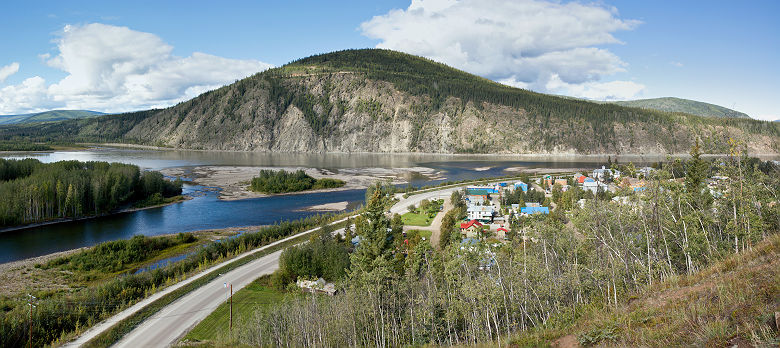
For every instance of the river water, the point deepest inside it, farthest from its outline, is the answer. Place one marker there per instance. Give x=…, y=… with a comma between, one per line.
x=206, y=211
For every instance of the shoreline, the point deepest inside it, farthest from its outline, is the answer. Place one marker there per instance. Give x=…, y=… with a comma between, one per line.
x=529, y=155
x=233, y=181
x=64, y=220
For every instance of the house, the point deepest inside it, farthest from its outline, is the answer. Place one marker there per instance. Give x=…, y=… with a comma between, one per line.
x=480, y=212
x=601, y=174
x=501, y=233
x=532, y=204
x=592, y=185
x=581, y=179
x=534, y=210
x=476, y=199
x=548, y=182
x=633, y=183
x=562, y=182
x=471, y=229
x=521, y=185
x=481, y=190
x=577, y=177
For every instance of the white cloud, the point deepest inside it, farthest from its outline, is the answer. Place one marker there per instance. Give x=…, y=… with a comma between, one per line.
x=677, y=64
x=525, y=43
x=613, y=90
x=8, y=70
x=111, y=68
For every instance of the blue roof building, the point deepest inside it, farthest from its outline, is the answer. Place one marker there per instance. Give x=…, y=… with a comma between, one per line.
x=535, y=210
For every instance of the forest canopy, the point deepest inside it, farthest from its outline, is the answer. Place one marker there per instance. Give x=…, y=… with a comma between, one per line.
x=282, y=181
x=36, y=192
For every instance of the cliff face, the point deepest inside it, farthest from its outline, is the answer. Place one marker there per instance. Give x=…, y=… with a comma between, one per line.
x=352, y=113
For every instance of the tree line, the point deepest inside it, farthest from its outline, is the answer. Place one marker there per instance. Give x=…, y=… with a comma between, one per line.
x=282, y=181
x=36, y=192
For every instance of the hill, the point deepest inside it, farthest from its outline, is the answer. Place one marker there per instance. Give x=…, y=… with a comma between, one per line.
x=734, y=302
x=389, y=102
x=48, y=116
x=687, y=106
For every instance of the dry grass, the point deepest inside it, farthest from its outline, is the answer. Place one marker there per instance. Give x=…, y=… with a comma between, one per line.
x=730, y=303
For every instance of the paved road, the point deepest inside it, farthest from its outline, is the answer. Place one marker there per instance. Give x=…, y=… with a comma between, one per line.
x=165, y=327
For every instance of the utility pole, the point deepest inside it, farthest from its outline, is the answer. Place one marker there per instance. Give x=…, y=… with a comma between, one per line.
x=30, y=303
x=231, y=310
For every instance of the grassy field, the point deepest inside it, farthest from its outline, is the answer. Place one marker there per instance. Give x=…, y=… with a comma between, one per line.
x=424, y=233
x=732, y=303
x=414, y=219
x=257, y=294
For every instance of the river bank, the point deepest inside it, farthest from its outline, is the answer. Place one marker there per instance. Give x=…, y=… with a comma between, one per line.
x=181, y=198
x=233, y=181
x=28, y=275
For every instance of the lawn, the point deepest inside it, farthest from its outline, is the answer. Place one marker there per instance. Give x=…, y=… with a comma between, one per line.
x=257, y=294
x=423, y=233
x=414, y=219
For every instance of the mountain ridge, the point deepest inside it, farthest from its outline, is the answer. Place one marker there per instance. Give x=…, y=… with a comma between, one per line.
x=688, y=106
x=374, y=100
x=47, y=116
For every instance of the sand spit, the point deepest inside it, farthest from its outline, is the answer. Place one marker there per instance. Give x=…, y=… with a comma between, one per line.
x=234, y=180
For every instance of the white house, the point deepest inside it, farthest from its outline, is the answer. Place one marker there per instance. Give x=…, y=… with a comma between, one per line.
x=593, y=185
x=480, y=212
x=601, y=174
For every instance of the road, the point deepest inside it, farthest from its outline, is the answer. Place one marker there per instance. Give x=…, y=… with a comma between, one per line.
x=194, y=314
x=165, y=327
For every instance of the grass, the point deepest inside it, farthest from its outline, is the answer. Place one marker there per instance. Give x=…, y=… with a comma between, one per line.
x=731, y=302
x=415, y=219
x=423, y=233
x=246, y=301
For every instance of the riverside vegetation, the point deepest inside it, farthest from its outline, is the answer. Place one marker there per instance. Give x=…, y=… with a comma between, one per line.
x=38, y=192
x=374, y=100
x=106, y=285
x=282, y=181
x=557, y=271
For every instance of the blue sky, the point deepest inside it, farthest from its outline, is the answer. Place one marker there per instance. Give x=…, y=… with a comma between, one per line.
x=120, y=56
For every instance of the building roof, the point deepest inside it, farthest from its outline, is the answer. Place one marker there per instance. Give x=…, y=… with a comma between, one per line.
x=470, y=223
x=535, y=210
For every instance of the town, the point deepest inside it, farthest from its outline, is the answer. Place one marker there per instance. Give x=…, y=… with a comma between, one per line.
x=492, y=210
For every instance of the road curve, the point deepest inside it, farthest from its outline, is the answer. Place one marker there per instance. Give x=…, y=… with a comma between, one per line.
x=166, y=326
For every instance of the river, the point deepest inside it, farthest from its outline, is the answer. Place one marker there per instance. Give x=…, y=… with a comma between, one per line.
x=206, y=211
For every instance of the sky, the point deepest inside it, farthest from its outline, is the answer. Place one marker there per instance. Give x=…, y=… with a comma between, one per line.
x=115, y=56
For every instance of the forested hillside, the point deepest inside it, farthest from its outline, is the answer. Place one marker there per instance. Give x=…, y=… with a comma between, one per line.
x=48, y=116
x=683, y=105
x=33, y=192
x=384, y=101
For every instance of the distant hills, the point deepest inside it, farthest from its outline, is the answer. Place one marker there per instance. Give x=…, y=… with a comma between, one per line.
x=692, y=107
x=383, y=101
x=48, y=116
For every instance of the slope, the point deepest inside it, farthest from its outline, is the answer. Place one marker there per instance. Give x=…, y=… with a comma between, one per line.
x=383, y=101
x=687, y=106
x=735, y=302
x=48, y=116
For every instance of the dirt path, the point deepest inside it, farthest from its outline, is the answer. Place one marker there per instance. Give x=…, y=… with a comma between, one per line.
x=435, y=226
